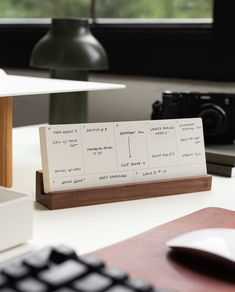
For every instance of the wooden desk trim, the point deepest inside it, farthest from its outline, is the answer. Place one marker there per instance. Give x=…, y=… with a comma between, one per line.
x=6, y=141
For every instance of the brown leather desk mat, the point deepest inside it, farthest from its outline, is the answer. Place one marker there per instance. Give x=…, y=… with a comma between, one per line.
x=147, y=256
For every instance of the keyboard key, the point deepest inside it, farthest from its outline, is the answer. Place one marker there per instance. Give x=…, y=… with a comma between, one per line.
x=42, y=253
x=36, y=263
x=62, y=274
x=139, y=285
x=15, y=272
x=115, y=273
x=31, y=285
x=92, y=283
x=92, y=261
x=119, y=288
x=3, y=280
x=62, y=253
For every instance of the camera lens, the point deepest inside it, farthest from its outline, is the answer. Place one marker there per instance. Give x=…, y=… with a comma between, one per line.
x=215, y=121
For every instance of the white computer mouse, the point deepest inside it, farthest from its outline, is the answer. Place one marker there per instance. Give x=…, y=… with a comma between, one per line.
x=214, y=242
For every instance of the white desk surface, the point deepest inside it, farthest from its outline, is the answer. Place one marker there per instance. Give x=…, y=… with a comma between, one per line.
x=89, y=228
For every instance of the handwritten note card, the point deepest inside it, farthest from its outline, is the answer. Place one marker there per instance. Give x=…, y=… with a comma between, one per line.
x=89, y=155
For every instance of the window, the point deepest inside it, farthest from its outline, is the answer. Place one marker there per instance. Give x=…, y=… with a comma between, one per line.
x=201, y=47
x=44, y=8
x=154, y=9
x=107, y=8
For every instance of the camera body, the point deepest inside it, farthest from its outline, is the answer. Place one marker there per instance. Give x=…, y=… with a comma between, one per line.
x=217, y=111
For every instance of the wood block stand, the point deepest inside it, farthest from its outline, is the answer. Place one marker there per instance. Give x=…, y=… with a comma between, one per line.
x=117, y=193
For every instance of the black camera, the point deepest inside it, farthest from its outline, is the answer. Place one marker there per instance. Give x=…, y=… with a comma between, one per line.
x=217, y=111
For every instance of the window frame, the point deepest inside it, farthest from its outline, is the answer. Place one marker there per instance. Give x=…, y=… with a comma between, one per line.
x=193, y=49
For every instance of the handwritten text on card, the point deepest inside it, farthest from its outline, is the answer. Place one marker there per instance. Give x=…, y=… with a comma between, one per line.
x=90, y=155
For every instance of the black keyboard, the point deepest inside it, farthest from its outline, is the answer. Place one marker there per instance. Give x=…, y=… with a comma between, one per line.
x=60, y=269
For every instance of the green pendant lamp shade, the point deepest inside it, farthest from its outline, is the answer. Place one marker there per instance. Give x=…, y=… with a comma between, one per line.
x=70, y=51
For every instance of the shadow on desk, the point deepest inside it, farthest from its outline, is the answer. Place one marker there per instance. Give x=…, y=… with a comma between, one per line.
x=209, y=268
x=38, y=206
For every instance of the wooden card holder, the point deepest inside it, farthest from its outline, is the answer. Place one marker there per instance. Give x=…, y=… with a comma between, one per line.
x=117, y=193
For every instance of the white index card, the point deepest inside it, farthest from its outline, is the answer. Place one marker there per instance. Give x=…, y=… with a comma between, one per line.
x=98, y=154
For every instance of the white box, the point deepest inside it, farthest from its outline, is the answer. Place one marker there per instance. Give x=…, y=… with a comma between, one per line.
x=16, y=218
